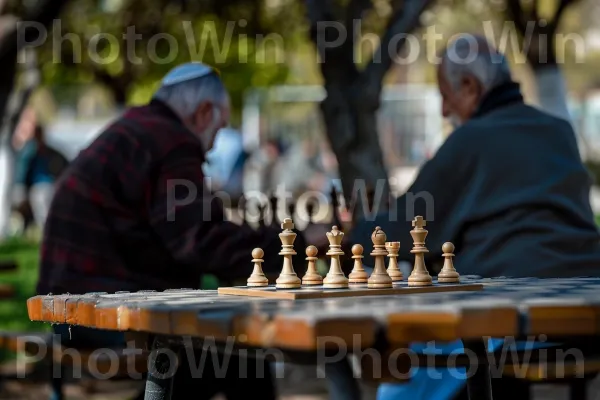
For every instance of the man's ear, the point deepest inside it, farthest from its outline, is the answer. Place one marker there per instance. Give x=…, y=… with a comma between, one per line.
x=203, y=111
x=472, y=86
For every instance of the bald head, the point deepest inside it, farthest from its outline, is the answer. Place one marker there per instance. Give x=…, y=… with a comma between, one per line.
x=470, y=68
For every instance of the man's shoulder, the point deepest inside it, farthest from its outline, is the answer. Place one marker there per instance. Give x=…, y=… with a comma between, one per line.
x=518, y=112
x=142, y=128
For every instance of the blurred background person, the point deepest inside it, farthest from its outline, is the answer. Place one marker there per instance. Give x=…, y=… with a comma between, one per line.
x=38, y=167
x=225, y=163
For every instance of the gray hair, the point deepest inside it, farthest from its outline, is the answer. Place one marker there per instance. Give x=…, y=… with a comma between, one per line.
x=473, y=55
x=185, y=97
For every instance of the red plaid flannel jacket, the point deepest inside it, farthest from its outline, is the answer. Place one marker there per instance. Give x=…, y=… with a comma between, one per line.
x=114, y=225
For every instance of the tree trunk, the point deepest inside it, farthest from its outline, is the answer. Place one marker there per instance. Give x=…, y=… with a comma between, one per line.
x=351, y=126
x=540, y=49
x=7, y=162
x=10, y=46
x=353, y=97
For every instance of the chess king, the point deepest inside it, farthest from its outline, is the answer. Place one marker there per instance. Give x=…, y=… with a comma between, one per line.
x=419, y=276
x=288, y=278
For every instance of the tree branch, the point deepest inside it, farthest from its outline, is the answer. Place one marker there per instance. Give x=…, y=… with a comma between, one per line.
x=535, y=14
x=334, y=43
x=404, y=21
x=516, y=12
x=562, y=6
x=355, y=11
x=14, y=40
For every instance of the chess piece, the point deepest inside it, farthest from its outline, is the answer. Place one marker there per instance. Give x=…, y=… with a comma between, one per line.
x=419, y=276
x=379, y=279
x=258, y=277
x=292, y=209
x=335, y=278
x=393, y=270
x=243, y=210
x=335, y=203
x=262, y=208
x=274, y=201
x=288, y=278
x=448, y=274
x=312, y=277
x=310, y=208
x=358, y=274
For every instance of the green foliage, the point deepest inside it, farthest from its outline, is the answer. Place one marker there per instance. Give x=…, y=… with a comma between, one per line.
x=13, y=312
x=130, y=48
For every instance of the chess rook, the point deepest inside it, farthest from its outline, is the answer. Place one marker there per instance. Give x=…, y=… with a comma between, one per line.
x=288, y=278
x=312, y=277
x=358, y=274
x=335, y=278
x=393, y=270
x=258, y=277
x=419, y=275
x=448, y=274
x=379, y=278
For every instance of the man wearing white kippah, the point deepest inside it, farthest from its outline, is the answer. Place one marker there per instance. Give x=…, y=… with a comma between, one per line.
x=134, y=212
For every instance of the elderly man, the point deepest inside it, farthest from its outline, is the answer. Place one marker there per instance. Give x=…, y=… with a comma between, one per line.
x=508, y=188
x=134, y=212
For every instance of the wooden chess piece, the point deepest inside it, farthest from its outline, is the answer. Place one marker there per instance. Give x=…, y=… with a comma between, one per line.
x=258, y=277
x=335, y=203
x=292, y=209
x=379, y=279
x=358, y=274
x=335, y=278
x=261, y=214
x=243, y=210
x=419, y=276
x=312, y=277
x=448, y=274
x=393, y=269
x=274, y=201
x=288, y=278
x=310, y=208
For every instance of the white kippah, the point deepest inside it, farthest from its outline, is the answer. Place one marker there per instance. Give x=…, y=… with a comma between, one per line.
x=186, y=72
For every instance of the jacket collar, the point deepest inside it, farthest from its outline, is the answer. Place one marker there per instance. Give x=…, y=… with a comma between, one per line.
x=501, y=96
x=162, y=109
x=158, y=107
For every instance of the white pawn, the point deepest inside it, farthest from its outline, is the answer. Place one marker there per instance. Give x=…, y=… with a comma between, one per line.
x=312, y=276
x=258, y=277
x=448, y=274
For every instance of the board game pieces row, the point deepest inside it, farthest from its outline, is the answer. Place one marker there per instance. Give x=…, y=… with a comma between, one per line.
x=272, y=208
x=382, y=277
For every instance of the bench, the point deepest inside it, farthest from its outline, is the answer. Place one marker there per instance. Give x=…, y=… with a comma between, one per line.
x=88, y=364
x=573, y=364
x=7, y=291
x=571, y=373
x=8, y=266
